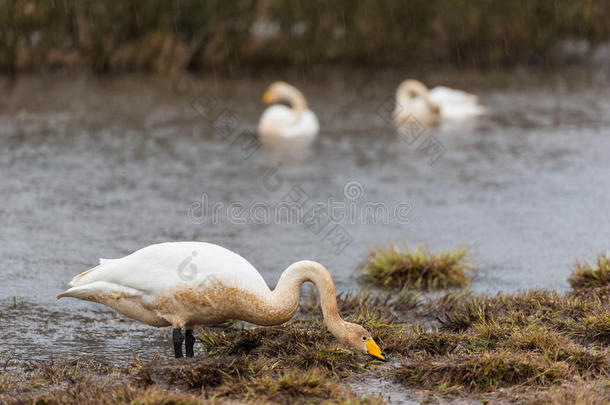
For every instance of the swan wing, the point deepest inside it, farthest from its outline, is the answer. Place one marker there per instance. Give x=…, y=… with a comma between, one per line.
x=442, y=95
x=163, y=266
x=308, y=125
x=92, y=291
x=281, y=121
x=106, y=261
x=456, y=104
x=462, y=111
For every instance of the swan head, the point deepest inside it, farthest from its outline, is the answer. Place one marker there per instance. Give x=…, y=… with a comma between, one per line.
x=284, y=92
x=411, y=89
x=360, y=340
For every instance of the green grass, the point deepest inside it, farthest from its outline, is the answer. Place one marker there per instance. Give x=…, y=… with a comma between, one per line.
x=401, y=268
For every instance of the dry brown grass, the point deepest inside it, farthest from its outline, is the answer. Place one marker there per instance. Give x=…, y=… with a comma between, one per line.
x=299, y=362
x=588, y=275
x=537, y=339
x=184, y=381
x=532, y=347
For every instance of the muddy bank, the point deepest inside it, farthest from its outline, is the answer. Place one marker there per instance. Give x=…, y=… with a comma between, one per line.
x=535, y=347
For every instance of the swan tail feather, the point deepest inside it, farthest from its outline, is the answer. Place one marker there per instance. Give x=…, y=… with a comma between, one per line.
x=98, y=291
x=75, y=282
x=79, y=279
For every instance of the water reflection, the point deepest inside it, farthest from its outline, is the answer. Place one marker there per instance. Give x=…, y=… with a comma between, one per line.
x=287, y=150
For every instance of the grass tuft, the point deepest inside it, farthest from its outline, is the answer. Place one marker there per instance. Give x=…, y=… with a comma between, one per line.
x=588, y=275
x=402, y=268
x=481, y=371
x=593, y=328
x=302, y=344
x=528, y=341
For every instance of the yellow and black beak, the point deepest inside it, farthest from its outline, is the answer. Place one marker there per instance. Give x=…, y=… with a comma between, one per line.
x=267, y=97
x=375, y=351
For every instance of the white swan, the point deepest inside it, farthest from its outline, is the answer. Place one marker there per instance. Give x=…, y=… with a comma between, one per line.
x=182, y=284
x=287, y=122
x=413, y=99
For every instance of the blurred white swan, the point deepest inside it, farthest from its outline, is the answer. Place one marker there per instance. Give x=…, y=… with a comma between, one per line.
x=281, y=121
x=413, y=99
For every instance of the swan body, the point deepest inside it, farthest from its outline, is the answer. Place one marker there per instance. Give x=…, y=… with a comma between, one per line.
x=182, y=284
x=159, y=284
x=413, y=99
x=280, y=121
x=456, y=104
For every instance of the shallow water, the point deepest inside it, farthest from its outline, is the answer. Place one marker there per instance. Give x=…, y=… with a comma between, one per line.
x=101, y=167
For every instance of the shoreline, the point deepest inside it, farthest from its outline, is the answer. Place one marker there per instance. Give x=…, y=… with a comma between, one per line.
x=300, y=361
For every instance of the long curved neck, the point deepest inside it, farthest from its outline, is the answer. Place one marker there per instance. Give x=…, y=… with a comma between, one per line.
x=297, y=101
x=286, y=296
x=410, y=89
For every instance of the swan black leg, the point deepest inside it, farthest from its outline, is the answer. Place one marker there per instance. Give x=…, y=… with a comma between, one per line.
x=178, y=339
x=189, y=342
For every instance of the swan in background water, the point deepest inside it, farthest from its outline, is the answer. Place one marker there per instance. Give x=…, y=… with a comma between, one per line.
x=413, y=99
x=183, y=284
x=281, y=121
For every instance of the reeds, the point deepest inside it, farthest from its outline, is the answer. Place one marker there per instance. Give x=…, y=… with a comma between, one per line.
x=165, y=37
